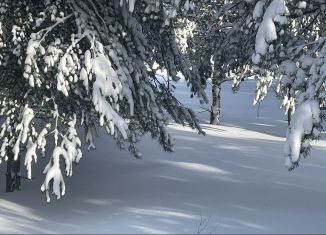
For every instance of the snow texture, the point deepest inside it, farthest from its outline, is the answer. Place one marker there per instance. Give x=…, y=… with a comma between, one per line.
x=303, y=120
x=232, y=177
x=275, y=13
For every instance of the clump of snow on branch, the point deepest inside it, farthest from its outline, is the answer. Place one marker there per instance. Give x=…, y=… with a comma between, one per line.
x=70, y=151
x=22, y=129
x=106, y=85
x=275, y=13
x=262, y=87
x=302, y=123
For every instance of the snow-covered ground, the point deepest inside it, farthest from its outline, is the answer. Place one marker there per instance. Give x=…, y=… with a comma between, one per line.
x=232, y=180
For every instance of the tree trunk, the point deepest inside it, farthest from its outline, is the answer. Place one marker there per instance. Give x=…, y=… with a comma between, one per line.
x=289, y=116
x=216, y=103
x=290, y=109
x=13, y=173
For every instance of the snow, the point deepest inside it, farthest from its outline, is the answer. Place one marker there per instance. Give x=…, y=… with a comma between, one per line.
x=23, y=129
x=131, y=4
x=275, y=12
x=30, y=155
x=53, y=172
x=258, y=11
x=70, y=151
x=307, y=114
x=233, y=178
x=107, y=84
x=41, y=140
x=302, y=4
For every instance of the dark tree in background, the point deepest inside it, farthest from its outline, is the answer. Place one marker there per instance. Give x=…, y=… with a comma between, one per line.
x=221, y=45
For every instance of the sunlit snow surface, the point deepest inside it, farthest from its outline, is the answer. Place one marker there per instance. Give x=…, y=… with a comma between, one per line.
x=233, y=180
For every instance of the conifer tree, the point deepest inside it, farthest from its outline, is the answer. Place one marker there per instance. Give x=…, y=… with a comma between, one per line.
x=68, y=65
x=290, y=49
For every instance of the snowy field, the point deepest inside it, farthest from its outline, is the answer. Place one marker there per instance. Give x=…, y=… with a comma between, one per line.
x=231, y=181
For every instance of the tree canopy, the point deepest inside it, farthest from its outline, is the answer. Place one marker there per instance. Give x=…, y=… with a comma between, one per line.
x=277, y=42
x=90, y=64
x=290, y=48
